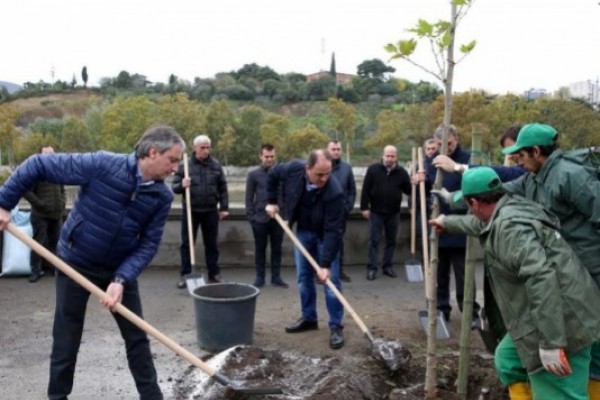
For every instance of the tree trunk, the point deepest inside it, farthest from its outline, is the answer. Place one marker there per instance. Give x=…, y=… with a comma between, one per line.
x=431, y=372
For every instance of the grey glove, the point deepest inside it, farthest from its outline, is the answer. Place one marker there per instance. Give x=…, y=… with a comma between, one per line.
x=444, y=196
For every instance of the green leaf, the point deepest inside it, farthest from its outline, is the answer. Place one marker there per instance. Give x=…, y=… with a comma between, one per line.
x=391, y=48
x=445, y=40
x=442, y=26
x=423, y=28
x=460, y=2
x=467, y=48
x=407, y=47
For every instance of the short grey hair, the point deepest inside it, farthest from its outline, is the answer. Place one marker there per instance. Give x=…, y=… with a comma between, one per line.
x=161, y=137
x=439, y=131
x=201, y=139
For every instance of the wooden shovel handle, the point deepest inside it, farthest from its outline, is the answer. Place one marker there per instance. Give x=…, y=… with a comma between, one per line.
x=119, y=308
x=424, y=225
x=328, y=282
x=413, y=204
x=188, y=211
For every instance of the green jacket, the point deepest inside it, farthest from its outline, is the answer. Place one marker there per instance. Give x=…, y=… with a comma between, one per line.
x=546, y=297
x=573, y=195
x=47, y=200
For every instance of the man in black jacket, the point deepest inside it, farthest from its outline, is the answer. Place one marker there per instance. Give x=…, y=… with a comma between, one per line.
x=47, y=206
x=342, y=171
x=380, y=204
x=210, y=204
x=316, y=203
x=264, y=228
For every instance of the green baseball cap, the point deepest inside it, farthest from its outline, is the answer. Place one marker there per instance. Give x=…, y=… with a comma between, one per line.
x=533, y=135
x=478, y=180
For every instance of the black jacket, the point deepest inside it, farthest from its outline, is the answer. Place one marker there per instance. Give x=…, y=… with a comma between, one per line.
x=343, y=173
x=47, y=200
x=256, y=195
x=208, y=188
x=382, y=190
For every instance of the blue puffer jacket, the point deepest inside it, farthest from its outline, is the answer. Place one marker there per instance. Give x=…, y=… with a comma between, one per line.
x=115, y=225
x=452, y=182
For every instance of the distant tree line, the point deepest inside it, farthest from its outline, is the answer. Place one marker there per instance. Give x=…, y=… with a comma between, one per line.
x=258, y=83
x=238, y=128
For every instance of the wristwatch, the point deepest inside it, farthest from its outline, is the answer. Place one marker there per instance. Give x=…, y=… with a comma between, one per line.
x=119, y=280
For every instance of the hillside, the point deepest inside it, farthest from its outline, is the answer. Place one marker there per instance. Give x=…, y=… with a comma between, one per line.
x=55, y=105
x=10, y=87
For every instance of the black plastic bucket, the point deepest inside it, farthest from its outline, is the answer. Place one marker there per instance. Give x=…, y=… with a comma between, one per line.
x=224, y=314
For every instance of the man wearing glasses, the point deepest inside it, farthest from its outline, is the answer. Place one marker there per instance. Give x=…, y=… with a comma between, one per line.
x=209, y=205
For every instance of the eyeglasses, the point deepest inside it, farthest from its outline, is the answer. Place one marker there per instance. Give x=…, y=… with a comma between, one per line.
x=204, y=147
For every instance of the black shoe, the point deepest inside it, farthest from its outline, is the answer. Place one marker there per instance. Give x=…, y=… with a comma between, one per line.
x=336, y=338
x=345, y=277
x=279, y=283
x=36, y=276
x=302, y=325
x=371, y=274
x=259, y=283
x=215, y=279
x=389, y=272
x=181, y=284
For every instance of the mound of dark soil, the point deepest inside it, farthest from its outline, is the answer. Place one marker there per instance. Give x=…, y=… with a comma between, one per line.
x=332, y=378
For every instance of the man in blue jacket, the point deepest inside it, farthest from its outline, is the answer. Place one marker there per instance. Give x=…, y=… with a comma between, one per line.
x=452, y=247
x=110, y=236
x=315, y=202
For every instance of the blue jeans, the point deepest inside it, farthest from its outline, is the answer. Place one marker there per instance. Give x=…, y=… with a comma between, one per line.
x=388, y=224
x=306, y=281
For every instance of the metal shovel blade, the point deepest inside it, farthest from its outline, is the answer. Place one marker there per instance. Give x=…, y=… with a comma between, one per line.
x=414, y=271
x=193, y=281
x=441, y=331
x=391, y=353
x=238, y=386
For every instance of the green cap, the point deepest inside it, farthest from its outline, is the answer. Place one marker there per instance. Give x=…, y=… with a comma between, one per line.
x=533, y=135
x=478, y=180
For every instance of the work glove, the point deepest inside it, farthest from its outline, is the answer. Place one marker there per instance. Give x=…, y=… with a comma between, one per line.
x=443, y=195
x=555, y=361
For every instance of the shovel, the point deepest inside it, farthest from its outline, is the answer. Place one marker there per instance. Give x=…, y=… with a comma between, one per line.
x=413, y=267
x=391, y=353
x=235, y=385
x=441, y=329
x=193, y=280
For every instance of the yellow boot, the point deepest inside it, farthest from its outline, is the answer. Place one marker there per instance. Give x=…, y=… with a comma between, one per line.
x=522, y=391
x=594, y=389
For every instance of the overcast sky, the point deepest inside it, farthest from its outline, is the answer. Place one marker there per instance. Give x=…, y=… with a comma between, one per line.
x=520, y=43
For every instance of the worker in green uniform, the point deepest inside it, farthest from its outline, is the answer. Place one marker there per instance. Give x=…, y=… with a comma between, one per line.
x=547, y=299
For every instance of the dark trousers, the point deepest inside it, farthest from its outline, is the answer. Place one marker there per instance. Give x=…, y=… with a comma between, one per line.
x=264, y=233
x=388, y=224
x=69, y=316
x=209, y=225
x=450, y=257
x=46, y=232
x=342, y=245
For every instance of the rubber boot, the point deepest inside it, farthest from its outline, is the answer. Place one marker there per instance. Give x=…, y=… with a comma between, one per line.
x=520, y=391
x=594, y=389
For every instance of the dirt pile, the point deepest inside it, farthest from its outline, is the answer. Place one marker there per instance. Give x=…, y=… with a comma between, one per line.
x=331, y=378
